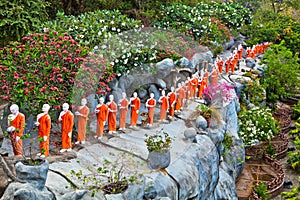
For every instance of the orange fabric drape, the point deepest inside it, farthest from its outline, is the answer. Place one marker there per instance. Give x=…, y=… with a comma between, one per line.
x=151, y=109
x=101, y=118
x=66, y=127
x=82, y=123
x=123, y=112
x=19, y=124
x=135, y=103
x=112, y=116
x=164, y=104
x=44, y=130
x=172, y=99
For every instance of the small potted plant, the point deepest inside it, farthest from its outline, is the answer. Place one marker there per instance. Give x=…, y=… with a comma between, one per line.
x=159, y=146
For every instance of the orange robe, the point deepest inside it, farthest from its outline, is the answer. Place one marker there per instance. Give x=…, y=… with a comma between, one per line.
x=82, y=122
x=19, y=124
x=152, y=103
x=172, y=99
x=227, y=65
x=164, y=104
x=180, y=94
x=44, y=130
x=194, y=86
x=200, y=88
x=184, y=89
x=215, y=77
x=101, y=118
x=240, y=53
x=135, y=105
x=66, y=127
x=123, y=112
x=112, y=116
x=220, y=64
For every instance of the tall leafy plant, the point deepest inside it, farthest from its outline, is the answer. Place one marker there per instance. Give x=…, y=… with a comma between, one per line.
x=280, y=78
x=17, y=18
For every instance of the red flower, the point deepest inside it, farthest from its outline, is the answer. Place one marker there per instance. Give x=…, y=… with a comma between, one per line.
x=57, y=107
x=46, y=63
x=6, y=98
x=43, y=56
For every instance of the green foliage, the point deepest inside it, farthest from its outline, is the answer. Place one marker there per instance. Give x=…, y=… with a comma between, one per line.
x=296, y=110
x=254, y=91
x=261, y=190
x=206, y=22
x=271, y=150
x=92, y=28
x=280, y=78
x=112, y=176
x=296, y=132
x=40, y=69
x=294, y=156
x=292, y=194
x=17, y=18
x=257, y=125
x=227, y=144
x=158, y=142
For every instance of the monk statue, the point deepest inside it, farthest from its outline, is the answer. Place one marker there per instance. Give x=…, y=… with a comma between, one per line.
x=66, y=118
x=43, y=121
x=150, y=104
x=123, y=106
x=112, y=115
x=172, y=100
x=82, y=115
x=102, y=114
x=164, y=105
x=16, y=121
x=135, y=105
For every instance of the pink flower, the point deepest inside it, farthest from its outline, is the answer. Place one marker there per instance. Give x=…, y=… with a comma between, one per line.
x=57, y=107
x=46, y=63
x=43, y=56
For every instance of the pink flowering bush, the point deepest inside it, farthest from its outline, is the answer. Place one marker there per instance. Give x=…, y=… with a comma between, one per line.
x=222, y=92
x=41, y=68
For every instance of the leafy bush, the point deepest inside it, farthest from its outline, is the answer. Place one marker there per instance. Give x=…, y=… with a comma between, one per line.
x=294, y=156
x=261, y=190
x=112, y=176
x=292, y=194
x=280, y=78
x=92, y=28
x=256, y=125
x=296, y=110
x=254, y=91
x=204, y=22
x=159, y=142
x=17, y=18
x=40, y=69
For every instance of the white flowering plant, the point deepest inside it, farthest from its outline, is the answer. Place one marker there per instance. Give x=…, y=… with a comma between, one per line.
x=257, y=125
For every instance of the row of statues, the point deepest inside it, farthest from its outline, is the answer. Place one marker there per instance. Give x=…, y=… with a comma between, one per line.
x=169, y=103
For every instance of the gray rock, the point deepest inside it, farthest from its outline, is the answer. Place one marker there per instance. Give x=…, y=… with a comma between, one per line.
x=164, y=67
x=76, y=195
x=153, y=89
x=250, y=62
x=161, y=83
x=184, y=62
x=235, y=158
x=225, y=188
x=135, y=191
x=125, y=81
x=35, y=175
x=142, y=93
x=217, y=137
x=114, y=197
x=229, y=115
x=229, y=44
x=190, y=133
x=202, y=58
x=201, y=123
x=20, y=191
x=159, y=185
x=113, y=84
x=117, y=93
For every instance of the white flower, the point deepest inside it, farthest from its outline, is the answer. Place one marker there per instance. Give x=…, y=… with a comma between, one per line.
x=112, y=22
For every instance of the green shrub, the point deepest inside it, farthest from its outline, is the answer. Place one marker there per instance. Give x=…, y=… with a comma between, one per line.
x=257, y=125
x=280, y=77
x=17, y=18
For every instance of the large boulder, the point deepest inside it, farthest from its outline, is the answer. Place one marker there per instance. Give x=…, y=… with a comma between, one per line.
x=35, y=175
x=164, y=67
x=202, y=58
x=20, y=191
x=201, y=123
x=184, y=62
